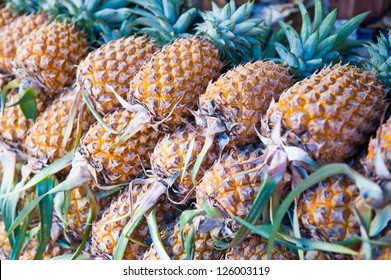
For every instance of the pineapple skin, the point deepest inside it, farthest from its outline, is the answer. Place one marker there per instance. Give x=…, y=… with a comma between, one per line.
x=78, y=213
x=255, y=247
x=105, y=234
x=385, y=147
x=6, y=17
x=326, y=210
x=115, y=165
x=237, y=194
x=113, y=64
x=50, y=55
x=331, y=113
x=204, y=247
x=174, y=78
x=43, y=144
x=14, y=34
x=243, y=95
x=14, y=125
x=169, y=156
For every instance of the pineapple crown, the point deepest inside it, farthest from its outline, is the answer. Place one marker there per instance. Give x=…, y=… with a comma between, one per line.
x=24, y=6
x=103, y=20
x=232, y=30
x=163, y=20
x=318, y=43
x=380, y=58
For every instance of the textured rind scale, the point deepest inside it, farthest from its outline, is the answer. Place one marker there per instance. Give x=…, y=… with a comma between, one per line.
x=255, y=247
x=6, y=17
x=105, y=234
x=50, y=54
x=326, y=210
x=234, y=193
x=385, y=148
x=204, y=247
x=113, y=64
x=169, y=156
x=243, y=95
x=115, y=165
x=43, y=143
x=174, y=78
x=13, y=34
x=13, y=124
x=331, y=113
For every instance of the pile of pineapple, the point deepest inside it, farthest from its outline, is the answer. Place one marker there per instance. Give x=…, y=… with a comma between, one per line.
x=150, y=130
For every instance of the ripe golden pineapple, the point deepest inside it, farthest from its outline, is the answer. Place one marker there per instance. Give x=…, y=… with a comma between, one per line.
x=242, y=96
x=14, y=125
x=173, y=79
x=105, y=234
x=326, y=210
x=331, y=113
x=79, y=208
x=231, y=192
x=204, y=247
x=6, y=16
x=50, y=55
x=170, y=154
x=14, y=34
x=254, y=248
x=115, y=165
x=44, y=141
x=113, y=64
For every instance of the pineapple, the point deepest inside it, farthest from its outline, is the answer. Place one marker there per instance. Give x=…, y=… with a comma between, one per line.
x=384, y=138
x=204, y=247
x=116, y=165
x=49, y=56
x=44, y=140
x=241, y=97
x=326, y=210
x=236, y=102
x=113, y=64
x=106, y=232
x=14, y=125
x=169, y=157
x=14, y=34
x=168, y=86
x=380, y=53
x=77, y=214
x=254, y=248
x=116, y=63
x=222, y=185
x=331, y=113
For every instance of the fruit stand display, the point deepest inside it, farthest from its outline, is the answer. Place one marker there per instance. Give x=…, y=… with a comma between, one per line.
x=226, y=130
